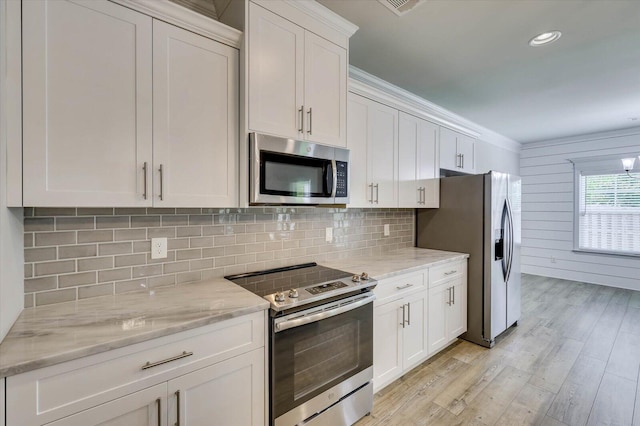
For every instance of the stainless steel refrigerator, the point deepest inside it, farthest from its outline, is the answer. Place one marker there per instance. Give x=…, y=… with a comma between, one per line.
x=481, y=215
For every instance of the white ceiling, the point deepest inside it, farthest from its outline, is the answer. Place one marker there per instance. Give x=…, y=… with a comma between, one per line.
x=472, y=57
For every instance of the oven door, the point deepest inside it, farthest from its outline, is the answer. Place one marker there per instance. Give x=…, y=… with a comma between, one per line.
x=313, y=351
x=287, y=171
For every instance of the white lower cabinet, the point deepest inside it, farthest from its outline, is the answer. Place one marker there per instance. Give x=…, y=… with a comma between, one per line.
x=213, y=375
x=415, y=316
x=143, y=408
x=447, y=309
x=399, y=327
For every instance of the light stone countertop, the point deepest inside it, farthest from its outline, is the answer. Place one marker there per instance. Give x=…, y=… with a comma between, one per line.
x=52, y=334
x=396, y=262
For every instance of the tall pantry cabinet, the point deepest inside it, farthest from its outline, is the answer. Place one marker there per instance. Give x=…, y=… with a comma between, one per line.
x=133, y=105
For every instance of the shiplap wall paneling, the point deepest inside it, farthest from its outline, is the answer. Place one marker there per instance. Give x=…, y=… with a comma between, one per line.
x=547, y=210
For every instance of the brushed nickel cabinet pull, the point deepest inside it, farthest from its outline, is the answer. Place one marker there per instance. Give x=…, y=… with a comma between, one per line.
x=377, y=192
x=453, y=289
x=144, y=171
x=310, y=131
x=408, y=313
x=177, y=408
x=301, y=111
x=371, y=188
x=462, y=155
x=449, y=291
x=159, y=402
x=149, y=364
x=450, y=272
x=403, y=312
x=402, y=287
x=161, y=183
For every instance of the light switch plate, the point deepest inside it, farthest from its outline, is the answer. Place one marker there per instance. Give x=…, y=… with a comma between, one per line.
x=158, y=248
x=386, y=230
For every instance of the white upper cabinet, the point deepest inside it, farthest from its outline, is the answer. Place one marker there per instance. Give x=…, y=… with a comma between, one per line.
x=276, y=74
x=456, y=151
x=418, y=163
x=87, y=104
x=325, y=90
x=195, y=126
x=297, y=81
x=104, y=88
x=373, y=141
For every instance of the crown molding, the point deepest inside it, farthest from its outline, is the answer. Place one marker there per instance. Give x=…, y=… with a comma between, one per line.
x=375, y=88
x=178, y=15
x=326, y=16
x=609, y=134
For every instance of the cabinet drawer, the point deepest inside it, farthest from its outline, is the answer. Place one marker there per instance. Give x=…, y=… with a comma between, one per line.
x=47, y=394
x=443, y=273
x=398, y=286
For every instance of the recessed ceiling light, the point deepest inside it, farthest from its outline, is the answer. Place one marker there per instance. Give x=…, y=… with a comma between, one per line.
x=545, y=38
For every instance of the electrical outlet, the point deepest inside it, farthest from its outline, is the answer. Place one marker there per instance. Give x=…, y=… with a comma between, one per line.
x=328, y=234
x=158, y=248
x=386, y=230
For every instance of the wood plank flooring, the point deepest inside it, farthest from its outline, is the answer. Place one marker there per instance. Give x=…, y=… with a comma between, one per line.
x=573, y=360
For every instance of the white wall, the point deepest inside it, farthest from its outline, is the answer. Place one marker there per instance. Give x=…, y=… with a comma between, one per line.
x=11, y=221
x=492, y=157
x=547, y=210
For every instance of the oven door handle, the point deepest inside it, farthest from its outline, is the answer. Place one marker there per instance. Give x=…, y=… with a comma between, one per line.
x=308, y=319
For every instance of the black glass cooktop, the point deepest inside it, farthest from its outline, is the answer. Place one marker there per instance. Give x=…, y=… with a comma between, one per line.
x=271, y=281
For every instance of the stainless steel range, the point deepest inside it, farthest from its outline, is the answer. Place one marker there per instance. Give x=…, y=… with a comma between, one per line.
x=321, y=343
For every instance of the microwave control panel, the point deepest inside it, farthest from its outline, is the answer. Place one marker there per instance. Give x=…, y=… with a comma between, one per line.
x=341, y=172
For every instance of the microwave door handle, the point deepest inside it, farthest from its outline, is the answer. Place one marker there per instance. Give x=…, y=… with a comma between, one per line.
x=332, y=178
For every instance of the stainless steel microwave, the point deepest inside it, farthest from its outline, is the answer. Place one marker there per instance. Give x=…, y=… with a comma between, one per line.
x=291, y=172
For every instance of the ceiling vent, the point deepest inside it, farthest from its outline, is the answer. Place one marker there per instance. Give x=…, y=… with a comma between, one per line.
x=400, y=7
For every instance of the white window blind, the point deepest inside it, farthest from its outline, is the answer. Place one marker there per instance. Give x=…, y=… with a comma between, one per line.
x=608, y=212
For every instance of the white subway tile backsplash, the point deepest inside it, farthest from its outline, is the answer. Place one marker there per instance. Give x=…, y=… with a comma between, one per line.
x=77, y=253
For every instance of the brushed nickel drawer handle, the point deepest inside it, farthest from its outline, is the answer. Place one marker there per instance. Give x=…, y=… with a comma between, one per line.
x=450, y=272
x=164, y=361
x=177, y=408
x=159, y=402
x=402, y=287
x=144, y=171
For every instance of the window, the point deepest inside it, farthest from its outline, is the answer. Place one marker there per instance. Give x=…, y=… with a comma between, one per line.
x=607, y=208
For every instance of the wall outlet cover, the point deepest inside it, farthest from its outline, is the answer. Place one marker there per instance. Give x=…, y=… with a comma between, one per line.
x=387, y=232
x=328, y=234
x=158, y=248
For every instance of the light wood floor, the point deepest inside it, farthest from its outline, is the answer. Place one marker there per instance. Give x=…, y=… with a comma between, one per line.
x=573, y=360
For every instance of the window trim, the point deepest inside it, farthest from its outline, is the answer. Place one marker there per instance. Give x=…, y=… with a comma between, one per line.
x=602, y=165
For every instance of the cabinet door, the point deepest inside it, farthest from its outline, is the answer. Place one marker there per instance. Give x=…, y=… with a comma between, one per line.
x=437, y=312
x=448, y=150
x=195, y=85
x=415, y=344
x=358, y=113
x=466, y=146
x=325, y=91
x=457, y=312
x=382, y=137
x=143, y=408
x=230, y=392
x=387, y=343
x=276, y=74
x=417, y=162
x=409, y=192
x=86, y=103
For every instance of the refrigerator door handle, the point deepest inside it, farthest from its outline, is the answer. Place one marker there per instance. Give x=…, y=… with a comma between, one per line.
x=504, y=229
x=511, y=238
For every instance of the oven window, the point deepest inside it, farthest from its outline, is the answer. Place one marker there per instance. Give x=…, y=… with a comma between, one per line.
x=323, y=358
x=309, y=359
x=294, y=176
